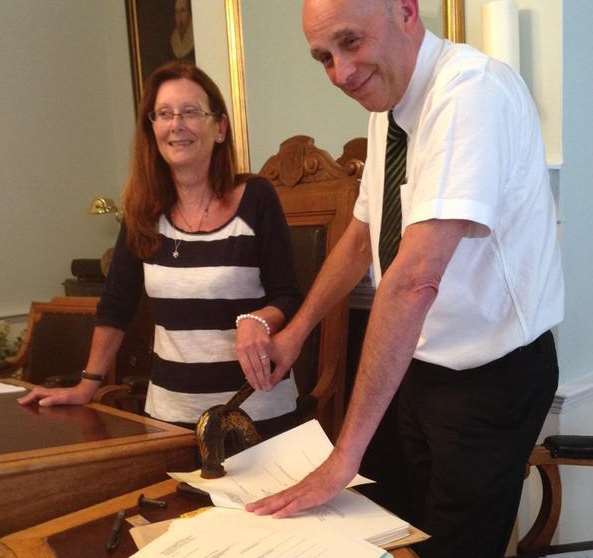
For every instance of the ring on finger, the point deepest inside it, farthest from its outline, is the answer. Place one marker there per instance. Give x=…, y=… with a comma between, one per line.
x=263, y=357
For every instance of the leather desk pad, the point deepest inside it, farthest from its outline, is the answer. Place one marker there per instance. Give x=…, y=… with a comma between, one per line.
x=89, y=539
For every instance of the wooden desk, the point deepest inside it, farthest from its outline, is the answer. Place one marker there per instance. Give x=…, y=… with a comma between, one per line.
x=55, y=460
x=84, y=533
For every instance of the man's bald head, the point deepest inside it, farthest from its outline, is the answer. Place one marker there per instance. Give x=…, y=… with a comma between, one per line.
x=367, y=47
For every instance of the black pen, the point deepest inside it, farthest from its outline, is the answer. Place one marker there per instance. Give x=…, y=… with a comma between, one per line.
x=113, y=540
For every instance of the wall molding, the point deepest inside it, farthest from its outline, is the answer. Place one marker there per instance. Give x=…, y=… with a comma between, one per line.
x=573, y=394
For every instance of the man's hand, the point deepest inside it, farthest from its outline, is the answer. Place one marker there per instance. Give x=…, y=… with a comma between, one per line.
x=284, y=350
x=46, y=397
x=315, y=489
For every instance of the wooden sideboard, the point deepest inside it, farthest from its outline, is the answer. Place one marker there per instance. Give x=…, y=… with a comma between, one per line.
x=54, y=460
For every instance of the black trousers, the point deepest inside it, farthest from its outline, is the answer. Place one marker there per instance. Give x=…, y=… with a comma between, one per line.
x=464, y=439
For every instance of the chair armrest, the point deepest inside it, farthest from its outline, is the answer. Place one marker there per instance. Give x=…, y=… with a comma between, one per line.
x=325, y=388
x=574, y=447
x=107, y=394
x=138, y=384
x=13, y=363
x=326, y=383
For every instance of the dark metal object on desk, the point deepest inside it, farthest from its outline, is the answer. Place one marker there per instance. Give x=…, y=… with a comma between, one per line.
x=216, y=424
x=113, y=541
x=144, y=501
x=187, y=490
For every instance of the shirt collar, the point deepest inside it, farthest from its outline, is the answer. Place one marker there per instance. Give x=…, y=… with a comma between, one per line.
x=407, y=111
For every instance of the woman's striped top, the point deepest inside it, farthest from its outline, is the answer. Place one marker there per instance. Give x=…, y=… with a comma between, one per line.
x=240, y=267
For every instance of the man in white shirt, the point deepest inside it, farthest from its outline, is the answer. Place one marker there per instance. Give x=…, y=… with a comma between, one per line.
x=461, y=317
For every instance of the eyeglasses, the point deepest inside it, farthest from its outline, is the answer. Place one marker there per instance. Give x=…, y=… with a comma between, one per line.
x=190, y=114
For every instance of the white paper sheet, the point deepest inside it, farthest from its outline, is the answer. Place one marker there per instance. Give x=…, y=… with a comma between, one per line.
x=282, y=461
x=267, y=468
x=225, y=533
x=8, y=388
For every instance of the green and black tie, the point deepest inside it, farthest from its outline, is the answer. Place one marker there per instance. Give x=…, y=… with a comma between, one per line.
x=395, y=174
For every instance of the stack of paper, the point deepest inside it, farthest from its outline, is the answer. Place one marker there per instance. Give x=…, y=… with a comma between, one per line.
x=235, y=534
x=282, y=461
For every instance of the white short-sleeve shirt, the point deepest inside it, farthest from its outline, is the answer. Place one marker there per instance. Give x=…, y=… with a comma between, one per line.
x=475, y=152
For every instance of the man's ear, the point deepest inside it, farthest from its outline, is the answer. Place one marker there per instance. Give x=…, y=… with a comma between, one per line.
x=409, y=11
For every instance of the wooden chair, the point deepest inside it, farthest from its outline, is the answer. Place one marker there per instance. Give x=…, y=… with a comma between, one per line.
x=56, y=341
x=317, y=194
x=537, y=542
x=56, y=347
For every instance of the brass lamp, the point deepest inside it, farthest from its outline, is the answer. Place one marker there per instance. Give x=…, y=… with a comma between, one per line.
x=103, y=206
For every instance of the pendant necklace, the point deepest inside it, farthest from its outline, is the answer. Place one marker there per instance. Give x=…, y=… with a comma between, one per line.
x=175, y=252
x=177, y=241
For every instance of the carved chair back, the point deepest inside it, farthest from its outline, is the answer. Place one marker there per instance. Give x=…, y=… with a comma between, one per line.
x=317, y=194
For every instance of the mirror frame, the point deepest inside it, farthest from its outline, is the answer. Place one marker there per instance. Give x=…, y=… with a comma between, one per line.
x=453, y=18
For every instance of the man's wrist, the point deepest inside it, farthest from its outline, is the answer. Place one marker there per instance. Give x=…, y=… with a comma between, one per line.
x=298, y=329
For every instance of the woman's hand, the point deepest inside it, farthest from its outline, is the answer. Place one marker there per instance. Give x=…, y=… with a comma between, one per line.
x=253, y=346
x=46, y=397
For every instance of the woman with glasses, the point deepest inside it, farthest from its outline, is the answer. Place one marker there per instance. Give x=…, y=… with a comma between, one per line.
x=212, y=250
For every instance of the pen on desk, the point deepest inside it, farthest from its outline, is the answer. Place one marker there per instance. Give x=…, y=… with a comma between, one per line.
x=113, y=540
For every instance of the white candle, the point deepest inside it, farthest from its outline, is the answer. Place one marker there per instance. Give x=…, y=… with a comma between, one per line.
x=500, y=31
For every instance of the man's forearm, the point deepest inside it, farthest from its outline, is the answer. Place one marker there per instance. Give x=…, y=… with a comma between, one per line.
x=392, y=334
x=342, y=270
x=399, y=309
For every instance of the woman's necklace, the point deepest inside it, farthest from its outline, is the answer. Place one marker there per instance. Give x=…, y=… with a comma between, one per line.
x=177, y=241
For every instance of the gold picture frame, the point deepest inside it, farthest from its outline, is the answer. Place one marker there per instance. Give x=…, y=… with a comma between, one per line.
x=237, y=78
x=453, y=13
x=453, y=18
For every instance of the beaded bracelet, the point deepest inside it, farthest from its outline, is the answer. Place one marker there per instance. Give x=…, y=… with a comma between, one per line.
x=263, y=322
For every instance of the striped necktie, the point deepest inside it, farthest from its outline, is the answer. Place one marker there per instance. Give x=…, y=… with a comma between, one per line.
x=395, y=173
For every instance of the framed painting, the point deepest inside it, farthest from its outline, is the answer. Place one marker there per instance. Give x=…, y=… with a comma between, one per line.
x=158, y=31
x=219, y=48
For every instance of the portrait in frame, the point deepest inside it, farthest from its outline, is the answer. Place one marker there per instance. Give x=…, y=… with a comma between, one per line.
x=158, y=32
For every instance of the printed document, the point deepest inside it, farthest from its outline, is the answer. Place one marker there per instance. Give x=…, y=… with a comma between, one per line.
x=267, y=468
x=224, y=533
x=282, y=461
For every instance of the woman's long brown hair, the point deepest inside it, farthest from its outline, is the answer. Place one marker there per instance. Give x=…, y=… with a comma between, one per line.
x=150, y=191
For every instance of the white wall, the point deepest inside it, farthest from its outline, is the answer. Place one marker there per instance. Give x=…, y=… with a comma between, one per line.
x=288, y=92
x=556, y=47
x=67, y=118
x=576, y=192
x=540, y=23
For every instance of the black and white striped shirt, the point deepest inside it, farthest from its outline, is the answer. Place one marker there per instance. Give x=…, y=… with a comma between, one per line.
x=240, y=267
